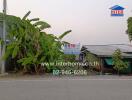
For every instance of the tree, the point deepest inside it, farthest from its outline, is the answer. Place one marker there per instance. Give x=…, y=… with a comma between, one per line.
x=118, y=62
x=129, y=30
x=29, y=44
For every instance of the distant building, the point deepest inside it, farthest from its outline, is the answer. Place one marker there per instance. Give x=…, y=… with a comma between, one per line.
x=103, y=54
x=117, y=11
x=71, y=49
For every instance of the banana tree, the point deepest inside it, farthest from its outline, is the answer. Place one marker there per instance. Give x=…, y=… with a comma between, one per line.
x=29, y=44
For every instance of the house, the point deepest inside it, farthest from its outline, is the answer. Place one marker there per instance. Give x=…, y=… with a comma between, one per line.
x=103, y=54
x=117, y=11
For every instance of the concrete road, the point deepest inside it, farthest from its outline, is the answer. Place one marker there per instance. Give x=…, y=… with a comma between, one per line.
x=78, y=88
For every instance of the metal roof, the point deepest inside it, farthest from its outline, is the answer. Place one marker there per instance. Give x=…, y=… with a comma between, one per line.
x=108, y=50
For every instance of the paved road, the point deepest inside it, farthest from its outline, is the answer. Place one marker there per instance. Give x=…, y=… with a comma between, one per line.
x=66, y=89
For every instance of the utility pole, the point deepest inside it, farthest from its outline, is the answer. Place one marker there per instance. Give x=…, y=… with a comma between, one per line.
x=4, y=36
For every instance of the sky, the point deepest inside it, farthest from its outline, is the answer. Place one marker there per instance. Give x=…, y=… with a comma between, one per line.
x=89, y=20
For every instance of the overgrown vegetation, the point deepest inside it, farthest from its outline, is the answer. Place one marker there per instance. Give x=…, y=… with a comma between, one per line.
x=29, y=45
x=118, y=62
x=94, y=62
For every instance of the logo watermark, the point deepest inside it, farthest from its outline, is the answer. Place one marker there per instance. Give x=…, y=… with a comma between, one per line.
x=117, y=10
x=72, y=64
x=69, y=72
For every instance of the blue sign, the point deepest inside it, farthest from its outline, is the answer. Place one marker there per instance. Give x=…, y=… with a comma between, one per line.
x=117, y=10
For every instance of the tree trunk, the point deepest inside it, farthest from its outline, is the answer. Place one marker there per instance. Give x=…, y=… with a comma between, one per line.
x=119, y=72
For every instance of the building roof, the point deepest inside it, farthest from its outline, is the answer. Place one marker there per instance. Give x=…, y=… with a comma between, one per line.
x=108, y=50
x=117, y=7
